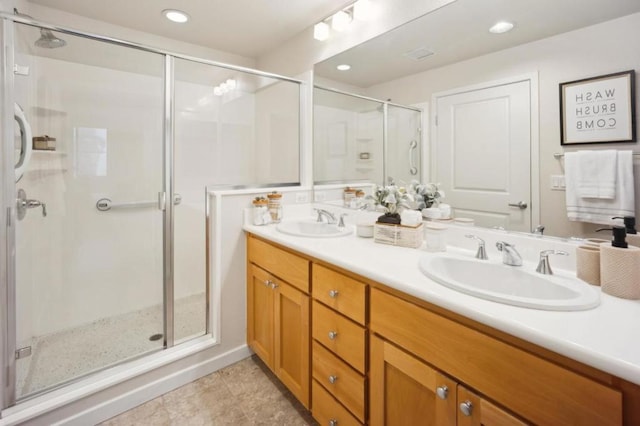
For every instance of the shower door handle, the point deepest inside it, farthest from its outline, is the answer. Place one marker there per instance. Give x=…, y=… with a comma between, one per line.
x=412, y=163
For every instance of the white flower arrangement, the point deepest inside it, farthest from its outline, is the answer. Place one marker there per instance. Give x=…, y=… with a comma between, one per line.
x=425, y=194
x=392, y=197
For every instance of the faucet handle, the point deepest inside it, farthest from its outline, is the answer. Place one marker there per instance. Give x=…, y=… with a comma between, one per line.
x=544, y=267
x=341, y=222
x=482, y=252
x=319, y=213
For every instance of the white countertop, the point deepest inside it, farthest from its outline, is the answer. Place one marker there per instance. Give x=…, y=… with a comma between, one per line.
x=603, y=337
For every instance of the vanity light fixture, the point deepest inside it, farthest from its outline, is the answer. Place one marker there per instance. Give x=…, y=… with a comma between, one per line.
x=501, y=27
x=362, y=10
x=340, y=21
x=321, y=31
x=344, y=67
x=175, y=15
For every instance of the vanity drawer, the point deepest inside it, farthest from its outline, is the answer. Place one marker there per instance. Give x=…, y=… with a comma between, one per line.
x=339, y=292
x=342, y=381
x=281, y=263
x=339, y=334
x=537, y=389
x=326, y=410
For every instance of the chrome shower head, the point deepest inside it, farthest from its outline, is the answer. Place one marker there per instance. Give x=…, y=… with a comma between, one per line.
x=48, y=40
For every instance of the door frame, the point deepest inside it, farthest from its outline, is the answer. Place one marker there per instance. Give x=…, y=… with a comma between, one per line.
x=534, y=149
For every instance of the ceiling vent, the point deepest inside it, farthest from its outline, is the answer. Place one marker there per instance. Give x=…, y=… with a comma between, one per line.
x=419, y=54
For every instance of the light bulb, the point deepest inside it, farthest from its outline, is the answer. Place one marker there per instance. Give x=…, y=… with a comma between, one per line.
x=340, y=21
x=321, y=31
x=231, y=83
x=217, y=91
x=362, y=10
x=501, y=27
x=175, y=15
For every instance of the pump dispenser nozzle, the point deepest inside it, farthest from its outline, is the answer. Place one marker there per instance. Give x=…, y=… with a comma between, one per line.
x=629, y=223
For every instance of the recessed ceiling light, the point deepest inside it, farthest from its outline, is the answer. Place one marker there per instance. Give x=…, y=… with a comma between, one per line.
x=501, y=27
x=344, y=67
x=175, y=15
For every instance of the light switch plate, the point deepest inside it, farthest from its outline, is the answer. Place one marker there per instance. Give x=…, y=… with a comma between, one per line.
x=558, y=183
x=302, y=197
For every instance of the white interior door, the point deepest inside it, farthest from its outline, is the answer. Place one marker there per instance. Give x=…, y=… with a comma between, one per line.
x=481, y=152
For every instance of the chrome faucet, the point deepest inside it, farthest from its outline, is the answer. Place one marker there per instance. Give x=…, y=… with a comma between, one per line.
x=544, y=267
x=510, y=255
x=341, y=221
x=482, y=252
x=331, y=219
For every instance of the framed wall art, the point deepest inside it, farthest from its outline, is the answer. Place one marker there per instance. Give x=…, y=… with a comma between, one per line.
x=598, y=109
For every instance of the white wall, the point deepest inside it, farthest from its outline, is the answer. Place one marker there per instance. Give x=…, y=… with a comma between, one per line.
x=596, y=50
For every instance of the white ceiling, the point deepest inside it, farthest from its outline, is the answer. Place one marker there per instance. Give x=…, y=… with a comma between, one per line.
x=459, y=31
x=244, y=27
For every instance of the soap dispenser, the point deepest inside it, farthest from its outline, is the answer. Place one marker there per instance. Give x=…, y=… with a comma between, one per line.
x=620, y=266
x=633, y=238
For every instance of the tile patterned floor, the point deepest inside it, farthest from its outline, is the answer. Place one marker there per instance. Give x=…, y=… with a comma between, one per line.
x=245, y=393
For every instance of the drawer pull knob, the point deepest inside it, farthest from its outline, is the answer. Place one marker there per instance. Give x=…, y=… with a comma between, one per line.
x=466, y=408
x=274, y=285
x=333, y=335
x=333, y=422
x=268, y=283
x=333, y=379
x=333, y=294
x=442, y=391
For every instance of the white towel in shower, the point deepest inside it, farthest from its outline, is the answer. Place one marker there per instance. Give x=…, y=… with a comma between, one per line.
x=596, y=173
x=600, y=210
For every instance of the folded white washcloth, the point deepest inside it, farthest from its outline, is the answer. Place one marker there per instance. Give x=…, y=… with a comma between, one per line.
x=596, y=174
x=600, y=210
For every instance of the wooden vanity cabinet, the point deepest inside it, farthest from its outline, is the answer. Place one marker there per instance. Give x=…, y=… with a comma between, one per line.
x=339, y=350
x=537, y=390
x=278, y=313
x=357, y=352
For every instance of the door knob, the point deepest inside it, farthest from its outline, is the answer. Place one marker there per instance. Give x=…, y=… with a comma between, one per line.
x=23, y=204
x=520, y=204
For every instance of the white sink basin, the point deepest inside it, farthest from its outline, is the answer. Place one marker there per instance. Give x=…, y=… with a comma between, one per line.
x=513, y=285
x=312, y=228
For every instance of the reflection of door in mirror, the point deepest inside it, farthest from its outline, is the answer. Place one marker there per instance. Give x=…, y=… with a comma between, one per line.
x=482, y=145
x=403, y=145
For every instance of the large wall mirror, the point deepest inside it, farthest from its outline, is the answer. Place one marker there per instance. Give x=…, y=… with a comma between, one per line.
x=358, y=140
x=492, y=102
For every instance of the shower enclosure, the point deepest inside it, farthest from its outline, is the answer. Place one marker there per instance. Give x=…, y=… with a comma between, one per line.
x=106, y=233
x=357, y=139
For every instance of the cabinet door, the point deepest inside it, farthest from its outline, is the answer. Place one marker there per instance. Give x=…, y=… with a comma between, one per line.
x=406, y=391
x=473, y=410
x=260, y=314
x=292, y=340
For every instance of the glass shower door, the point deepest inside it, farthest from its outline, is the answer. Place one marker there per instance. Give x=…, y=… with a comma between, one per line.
x=89, y=248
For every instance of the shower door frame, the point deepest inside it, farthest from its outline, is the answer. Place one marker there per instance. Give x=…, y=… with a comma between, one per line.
x=8, y=345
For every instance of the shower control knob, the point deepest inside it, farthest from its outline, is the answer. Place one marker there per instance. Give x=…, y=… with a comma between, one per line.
x=23, y=204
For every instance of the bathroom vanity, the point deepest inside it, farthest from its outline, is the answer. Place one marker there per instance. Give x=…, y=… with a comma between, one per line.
x=360, y=336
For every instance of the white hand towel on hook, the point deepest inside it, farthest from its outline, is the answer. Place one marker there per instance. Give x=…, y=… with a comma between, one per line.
x=600, y=210
x=597, y=174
